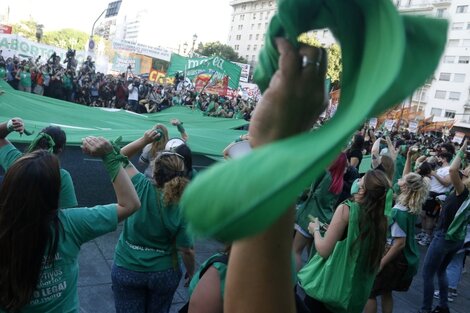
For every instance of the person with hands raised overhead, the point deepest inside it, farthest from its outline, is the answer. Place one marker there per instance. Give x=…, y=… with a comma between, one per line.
x=51, y=138
x=449, y=236
x=40, y=243
x=260, y=267
x=146, y=270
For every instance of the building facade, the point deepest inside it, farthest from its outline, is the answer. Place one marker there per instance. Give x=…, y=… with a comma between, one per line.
x=446, y=94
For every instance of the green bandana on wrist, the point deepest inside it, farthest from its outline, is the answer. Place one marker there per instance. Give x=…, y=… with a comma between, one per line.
x=385, y=57
x=180, y=128
x=114, y=159
x=34, y=143
x=159, y=131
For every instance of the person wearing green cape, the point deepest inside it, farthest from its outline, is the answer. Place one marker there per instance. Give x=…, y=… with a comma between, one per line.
x=400, y=263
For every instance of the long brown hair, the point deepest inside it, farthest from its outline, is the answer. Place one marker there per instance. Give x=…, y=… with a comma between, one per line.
x=372, y=220
x=170, y=175
x=29, y=225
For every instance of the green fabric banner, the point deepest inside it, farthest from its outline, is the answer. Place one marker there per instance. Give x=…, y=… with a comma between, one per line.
x=207, y=135
x=193, y=66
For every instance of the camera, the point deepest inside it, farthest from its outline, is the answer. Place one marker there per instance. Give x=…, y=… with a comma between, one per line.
x=129, y=67
x=136, y=84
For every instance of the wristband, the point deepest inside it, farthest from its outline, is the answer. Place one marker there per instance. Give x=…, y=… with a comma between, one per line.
x=180, y=128
x=10, y=127
x=113, y=160
x=460, y=154
x=159, y=131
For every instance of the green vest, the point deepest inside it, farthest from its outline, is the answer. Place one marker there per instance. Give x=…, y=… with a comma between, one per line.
x=458, y=228
x=219, y=266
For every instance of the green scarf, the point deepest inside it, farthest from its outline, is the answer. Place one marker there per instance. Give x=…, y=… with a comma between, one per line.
x=385, y=56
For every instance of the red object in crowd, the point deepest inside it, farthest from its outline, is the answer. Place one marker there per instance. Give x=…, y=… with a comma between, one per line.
x=5, y=29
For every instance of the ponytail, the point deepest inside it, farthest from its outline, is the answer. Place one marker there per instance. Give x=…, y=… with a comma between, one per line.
x=173, y=189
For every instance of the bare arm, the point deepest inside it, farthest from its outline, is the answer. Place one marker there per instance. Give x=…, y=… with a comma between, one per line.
x=375, y=153
x=325, y=245
x=393, y=152
x=188, y=260
x=454, y=170
x=397, y=246
x=206, y=297
x=445, y=181
x=127, y=200
x=407, y=168
x=259, y=275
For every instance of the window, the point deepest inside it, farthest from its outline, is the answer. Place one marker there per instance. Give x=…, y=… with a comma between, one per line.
x=265, y=25
x=270, y=3
x=240, y=27
x=263, y=4
x=254, y=16
x=453, y=42
x=464, y=60
x=250, y=37
x=248, y=48
x=252, y=26
x=238, y=37
x=459, y=78
x=261, y=15
x=457, y=26
x=242, y=17
x=257, y=36
x=436, y=111
x=449, y=59
x=253, y=57
x=462, y=9
x=454, y=95
x=444, y=77
x=244, y=7
x=440, y=94
x=259, y=25
x=255, y=47
x=237, y=47
x=449, y=114
x=466, y=43
x=246, y=57
x=440, y=12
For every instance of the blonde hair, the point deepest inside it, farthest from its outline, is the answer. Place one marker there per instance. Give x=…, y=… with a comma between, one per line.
x=169, y=174
x=415, y=192
x=159, y=145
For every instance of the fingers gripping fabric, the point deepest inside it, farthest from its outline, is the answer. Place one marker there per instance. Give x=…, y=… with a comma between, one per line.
x=385, y=58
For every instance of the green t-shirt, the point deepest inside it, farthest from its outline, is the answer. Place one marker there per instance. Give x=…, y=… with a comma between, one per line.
x=176, y=100
x=25, y=79
x=221, y=268
x=3, y=73
x=57, y=289
x=67, y=199
x=67, y=82
x=407, y=222
x=150, y=237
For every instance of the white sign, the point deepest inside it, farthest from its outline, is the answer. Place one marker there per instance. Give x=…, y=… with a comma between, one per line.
x=134, y=47
x=389, y=124
x=245, y=71
x=458, y=137
x=373, y=122
x=413, y=127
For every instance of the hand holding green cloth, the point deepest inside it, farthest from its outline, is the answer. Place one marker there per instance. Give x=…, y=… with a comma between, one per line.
x=385, y=58
x=114, y=160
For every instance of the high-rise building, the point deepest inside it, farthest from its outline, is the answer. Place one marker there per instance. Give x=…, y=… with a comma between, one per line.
x=446, y=94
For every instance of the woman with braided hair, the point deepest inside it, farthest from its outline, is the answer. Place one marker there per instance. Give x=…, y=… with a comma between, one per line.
x=51, y=138
x=146, y=270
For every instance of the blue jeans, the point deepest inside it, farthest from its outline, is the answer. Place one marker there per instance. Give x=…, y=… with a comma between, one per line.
x=438, y=257
x=454, y=270
x=141, y=292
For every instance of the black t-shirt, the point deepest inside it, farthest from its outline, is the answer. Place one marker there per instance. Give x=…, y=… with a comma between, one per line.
x=355, y=154
x=450, y=208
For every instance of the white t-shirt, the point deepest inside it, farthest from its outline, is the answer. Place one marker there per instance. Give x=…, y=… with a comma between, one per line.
x=436, y=186
x=133, y=92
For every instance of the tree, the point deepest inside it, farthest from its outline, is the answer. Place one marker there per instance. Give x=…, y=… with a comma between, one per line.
x=66, y=38
x=335, y=65
x=26, y=29
x=218, y=49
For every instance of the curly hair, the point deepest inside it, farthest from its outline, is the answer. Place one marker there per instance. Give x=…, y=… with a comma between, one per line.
x=415, y=192
x=170, y=176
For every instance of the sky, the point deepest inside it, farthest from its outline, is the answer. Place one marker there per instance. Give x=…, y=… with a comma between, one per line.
x=174, y=21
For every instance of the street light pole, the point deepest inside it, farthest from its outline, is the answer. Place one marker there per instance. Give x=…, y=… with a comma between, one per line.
x=194, y=43
x=91, y=43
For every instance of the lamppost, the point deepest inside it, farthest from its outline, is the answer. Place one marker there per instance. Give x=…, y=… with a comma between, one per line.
x=39, y=32
x=194, y=43
x=185, y=47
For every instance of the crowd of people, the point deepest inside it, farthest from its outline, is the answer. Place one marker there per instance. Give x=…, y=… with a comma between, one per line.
x=359, y=230
x=83, y=85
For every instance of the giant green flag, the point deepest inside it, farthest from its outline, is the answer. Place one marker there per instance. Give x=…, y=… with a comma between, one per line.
x=207, y=135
